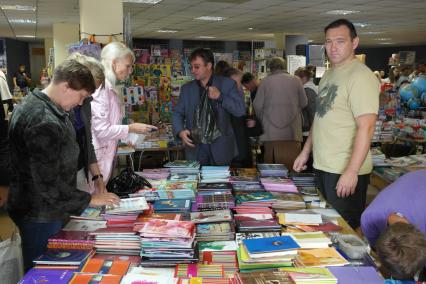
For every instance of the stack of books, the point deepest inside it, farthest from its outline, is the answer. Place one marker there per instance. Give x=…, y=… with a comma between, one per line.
x=208, y=188
x=288, y=201
x=172, y=206
x=63, y=258
x=128, y=206
x=183, y=167
x=320, y=257
x=57, y=276
x=122, y=240
x=167, y=242
x=290, y=219
x=214, y=201
x=219, y=231
x=272, y=170
x=311, y=275
x=155, y=174
x=220, y=252
x=303, y=179
x=278, y=184
x=310, y=240
x=215, y=174
x=269, y=276
x=71, y=240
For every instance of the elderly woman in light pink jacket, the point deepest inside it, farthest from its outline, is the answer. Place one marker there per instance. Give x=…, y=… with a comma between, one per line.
x=107, y=110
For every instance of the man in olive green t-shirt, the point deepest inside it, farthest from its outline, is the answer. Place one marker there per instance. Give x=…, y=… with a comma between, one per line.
x=344, y=123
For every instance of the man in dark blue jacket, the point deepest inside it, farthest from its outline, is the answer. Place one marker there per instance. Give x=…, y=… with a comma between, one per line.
x=225, y=101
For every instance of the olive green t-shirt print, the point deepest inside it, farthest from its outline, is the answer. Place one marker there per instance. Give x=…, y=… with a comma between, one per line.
x=326, y=99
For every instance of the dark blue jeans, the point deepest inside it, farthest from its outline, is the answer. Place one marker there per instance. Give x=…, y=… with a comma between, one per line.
x=34, y=239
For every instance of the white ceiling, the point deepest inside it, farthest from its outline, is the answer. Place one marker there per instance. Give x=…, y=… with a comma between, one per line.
x=390, y=22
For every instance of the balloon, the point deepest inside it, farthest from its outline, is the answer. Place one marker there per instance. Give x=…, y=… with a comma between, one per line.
x=420, y=84
x=407, y=92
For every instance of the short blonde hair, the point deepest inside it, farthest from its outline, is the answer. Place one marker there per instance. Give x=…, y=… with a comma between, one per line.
x=93, y=64
x=114, y=51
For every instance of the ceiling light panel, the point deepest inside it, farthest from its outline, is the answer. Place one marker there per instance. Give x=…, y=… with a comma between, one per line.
x=22, y=21
x=341, y=12
x=18, y=7
x=210, y=18
x=152, y=2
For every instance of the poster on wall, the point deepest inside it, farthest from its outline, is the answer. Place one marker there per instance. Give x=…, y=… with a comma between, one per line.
x=294, y=62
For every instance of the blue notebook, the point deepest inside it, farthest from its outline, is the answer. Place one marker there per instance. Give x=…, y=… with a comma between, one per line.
x=54, y=276
x=272, y=244
x=172, y=205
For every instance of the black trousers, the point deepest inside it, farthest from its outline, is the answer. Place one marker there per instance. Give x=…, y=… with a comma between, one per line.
x=351, y=207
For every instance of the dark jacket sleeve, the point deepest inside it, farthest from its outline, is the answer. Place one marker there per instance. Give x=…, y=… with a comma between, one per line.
x=231, y=99
x=86, y=112
x=311, y=107
x=4, y=150
x=44, y=140
x=178, y=116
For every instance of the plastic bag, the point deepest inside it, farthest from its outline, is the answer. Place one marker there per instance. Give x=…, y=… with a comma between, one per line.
x=11, y=262
x=204, y=127
x=127, y=182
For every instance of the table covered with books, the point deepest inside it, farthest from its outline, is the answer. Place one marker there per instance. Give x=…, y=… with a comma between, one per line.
x=210, y=225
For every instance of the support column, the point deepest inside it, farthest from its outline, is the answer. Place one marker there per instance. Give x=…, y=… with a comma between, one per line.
x=291, y=41
x=100, y=17
x=279, y=41
x=64, y=34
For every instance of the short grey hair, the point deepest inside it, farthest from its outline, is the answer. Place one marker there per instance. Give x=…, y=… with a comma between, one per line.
x=114, y=51
x=277, y=64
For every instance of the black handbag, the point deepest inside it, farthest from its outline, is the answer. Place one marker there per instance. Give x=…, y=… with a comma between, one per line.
x=127, y=182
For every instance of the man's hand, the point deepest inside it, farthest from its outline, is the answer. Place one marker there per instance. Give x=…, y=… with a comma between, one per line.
x=101, y=199
x=214, y=93
x=300, y=162
x=184, y=135
x=251, y=123
x=347, y=184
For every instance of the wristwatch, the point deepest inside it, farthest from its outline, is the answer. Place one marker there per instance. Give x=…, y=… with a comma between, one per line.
x=95, y=177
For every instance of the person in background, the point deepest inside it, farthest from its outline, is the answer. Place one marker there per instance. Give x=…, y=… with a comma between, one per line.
x=250, y=83
x=343, y=126
x=117, y=60
x=220, y=67
x=21, y=79
x=406, y=71
x=89, y=177
x=225, y=99
x=43, y=151
x=44, y=78
x=6, y=96
x=308, y=112
x=278, y=105
x=4, y=158
x=239, y=125
x=394, y=74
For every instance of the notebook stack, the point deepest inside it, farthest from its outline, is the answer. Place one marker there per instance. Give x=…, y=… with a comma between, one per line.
x=311, y=275
x=303, y=179
x=214, y=201
x=63, y=258
x=208, y=188
x=121, y=240
x=269, y=276
x=243, y=177
x=155, y=174
x=183, y=167
x=213, y=225
x=167, y=242
x=278, y=184
x=71, y=240
x=288, y=201
x=220, y=252
x=272, y=170
x=57, y=276
x=215, y=174
x=172, y=206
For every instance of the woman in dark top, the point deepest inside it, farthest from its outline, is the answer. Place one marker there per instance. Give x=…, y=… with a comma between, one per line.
x=81, y=117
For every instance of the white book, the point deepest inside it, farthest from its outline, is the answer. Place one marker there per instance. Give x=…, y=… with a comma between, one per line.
x=84, y=225
x=128, y=205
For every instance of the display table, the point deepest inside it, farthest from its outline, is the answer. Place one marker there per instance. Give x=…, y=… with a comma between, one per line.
x=166, y=150
x=414, y=142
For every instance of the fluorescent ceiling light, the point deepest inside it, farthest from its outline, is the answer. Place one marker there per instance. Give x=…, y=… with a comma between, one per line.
x=386, y=43
x=26, y=36
x=18, y=7
x=341, y=12
x=267, y=35
x=22, y=21
x=371, y=33
x=250, y=28
x=167, y=31
x=210, y=18
x=383, y=38
x=361, y=25
x=143, y=1
x=206, y=37
x=310, y=40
